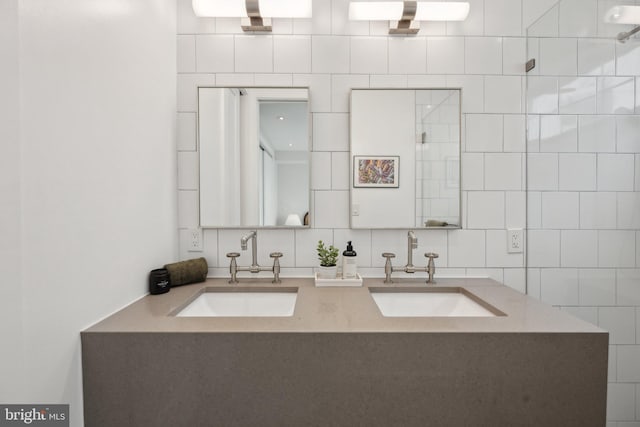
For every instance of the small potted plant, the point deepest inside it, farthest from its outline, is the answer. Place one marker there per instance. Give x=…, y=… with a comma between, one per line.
x=328, y=261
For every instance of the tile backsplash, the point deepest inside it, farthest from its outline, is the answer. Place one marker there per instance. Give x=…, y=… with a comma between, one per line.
x=484, y=56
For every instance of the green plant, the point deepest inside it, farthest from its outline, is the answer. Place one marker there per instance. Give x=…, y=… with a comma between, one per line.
x=328, y=256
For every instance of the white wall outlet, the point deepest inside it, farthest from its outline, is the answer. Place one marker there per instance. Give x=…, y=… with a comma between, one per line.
x=195, y=240
x=355, y=210
x=515, y=241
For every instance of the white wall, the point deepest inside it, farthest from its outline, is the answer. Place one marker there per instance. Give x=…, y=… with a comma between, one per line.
x=95, y=176
x=484, y=55
x=10, y=242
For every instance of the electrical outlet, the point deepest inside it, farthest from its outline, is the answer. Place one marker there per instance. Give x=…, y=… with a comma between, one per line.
x=195, y=240
x=515, y=241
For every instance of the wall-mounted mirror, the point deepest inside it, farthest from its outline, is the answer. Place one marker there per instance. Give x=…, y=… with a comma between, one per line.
x=405, y=158
x=254, y=157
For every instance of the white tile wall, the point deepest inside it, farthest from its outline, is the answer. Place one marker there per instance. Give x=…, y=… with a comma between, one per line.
x=579, y=172
x=587, y=150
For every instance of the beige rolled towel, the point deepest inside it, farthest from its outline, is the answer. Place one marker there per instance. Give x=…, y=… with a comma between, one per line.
x=189, y=271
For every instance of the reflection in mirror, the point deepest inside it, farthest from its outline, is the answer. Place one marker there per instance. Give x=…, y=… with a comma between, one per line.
x=254, y=157
x=405, y=148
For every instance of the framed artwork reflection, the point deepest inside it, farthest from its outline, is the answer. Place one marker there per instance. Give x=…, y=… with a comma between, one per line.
x=376, y=171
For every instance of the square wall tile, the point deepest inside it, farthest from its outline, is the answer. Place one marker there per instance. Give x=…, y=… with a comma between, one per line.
x=214, y=53
x=485, y=209
x=331, y=209
x=329, y=54
x=407, y=55
x=596, y=57
x=560, y=210
x=330, y=132
x=628, y=211
x=445, y=55
x=616, y=249
x=629, y=363
x=542, y=172
x=482, y=132
x=503, y=94
x=628, y=287
x=620, y=322
x=558, y=57
x=503, y=171
x=628, y=129
x=544, y=248
x=466, y=248
x=387, y=81
x=598, y=210
x=577, y=172
x=483, y=55
x=627, y=59
x=597, y=286
x=577, y=95
x=588, y=314
x=253, y=54
x=578, y=18
x=533, y=282
x=369, y=55
x=616, y=172
x=292, y=54
x=502, y=18
x=187, y=90
x=616, y=95
x=558, y=134
x=579, y=248
x=621, y=401
x=559, y=286
x=534, y=209
x=597, y=134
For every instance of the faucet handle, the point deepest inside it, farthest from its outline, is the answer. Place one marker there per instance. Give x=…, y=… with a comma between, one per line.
x=388, y=255
x=431, y=255
x=233, y=255
x=275, y=254
x=276, y=266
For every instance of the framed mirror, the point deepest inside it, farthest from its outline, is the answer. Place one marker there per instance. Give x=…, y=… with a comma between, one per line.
x=405, y=158
x=254, y=150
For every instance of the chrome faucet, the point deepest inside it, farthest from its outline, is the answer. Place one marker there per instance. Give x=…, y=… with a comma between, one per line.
x=412, y=243
x=254, y=268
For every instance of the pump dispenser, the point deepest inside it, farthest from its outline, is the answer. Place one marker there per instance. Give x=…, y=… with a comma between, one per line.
x=349, y=265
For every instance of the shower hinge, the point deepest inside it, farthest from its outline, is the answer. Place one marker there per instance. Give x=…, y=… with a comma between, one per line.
x=531, y=64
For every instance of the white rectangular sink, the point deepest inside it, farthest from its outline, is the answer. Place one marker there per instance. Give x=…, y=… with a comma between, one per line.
x=430, y=302
x=242, y=302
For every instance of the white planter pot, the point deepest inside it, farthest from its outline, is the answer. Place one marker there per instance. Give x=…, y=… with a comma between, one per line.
x=327, y=272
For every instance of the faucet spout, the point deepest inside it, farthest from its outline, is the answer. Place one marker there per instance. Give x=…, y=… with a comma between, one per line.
x=412, y=243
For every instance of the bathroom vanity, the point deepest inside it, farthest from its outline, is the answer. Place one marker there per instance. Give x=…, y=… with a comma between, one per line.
x=338, y=361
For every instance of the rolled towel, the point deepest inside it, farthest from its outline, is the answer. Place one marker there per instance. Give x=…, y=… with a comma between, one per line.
x=189, y=271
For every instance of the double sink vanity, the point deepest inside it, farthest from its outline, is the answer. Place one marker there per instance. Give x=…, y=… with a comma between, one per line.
x=457, y=353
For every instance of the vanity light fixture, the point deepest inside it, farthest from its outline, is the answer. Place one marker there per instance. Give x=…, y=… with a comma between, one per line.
x=624, y=15
x=256, y=14
x=407, y=14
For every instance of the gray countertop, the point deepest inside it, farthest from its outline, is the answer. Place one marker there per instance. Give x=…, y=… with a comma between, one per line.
x=345, y=310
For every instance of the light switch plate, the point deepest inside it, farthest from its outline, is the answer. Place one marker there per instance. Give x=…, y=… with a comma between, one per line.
x=515, y=241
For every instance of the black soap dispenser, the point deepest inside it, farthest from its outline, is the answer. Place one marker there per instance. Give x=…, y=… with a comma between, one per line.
x=349, y=265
